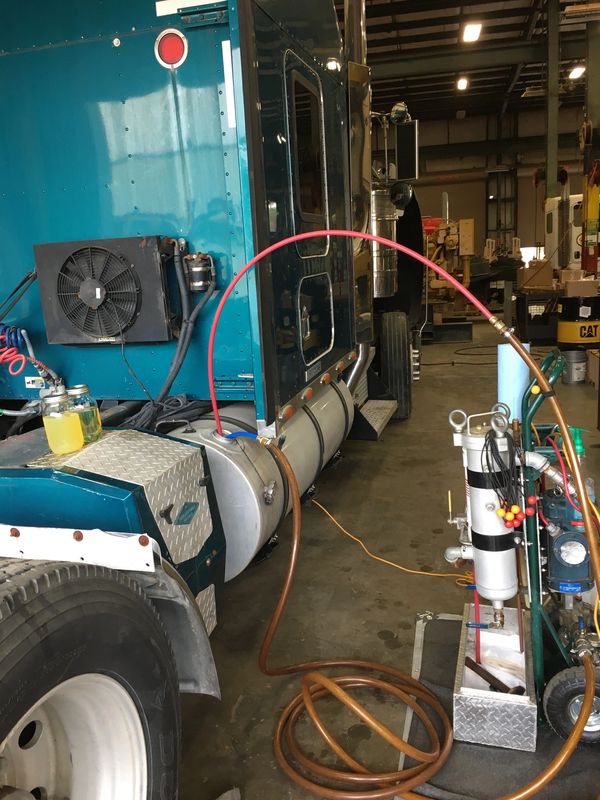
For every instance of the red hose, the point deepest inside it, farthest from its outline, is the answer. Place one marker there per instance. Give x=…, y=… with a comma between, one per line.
x=315, y=235
x=477, y=605
x=10, y=355
x=18, y=361
x=563, y=469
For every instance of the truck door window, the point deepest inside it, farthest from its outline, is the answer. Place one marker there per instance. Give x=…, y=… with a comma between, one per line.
x=308, y=149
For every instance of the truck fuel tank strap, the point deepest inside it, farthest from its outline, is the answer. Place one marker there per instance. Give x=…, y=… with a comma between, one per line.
x=319, y=431
x=343, y=402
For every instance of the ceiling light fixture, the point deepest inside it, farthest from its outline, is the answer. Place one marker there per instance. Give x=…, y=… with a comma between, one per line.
x=576, y=72
x=462, y=84
x=472, y=31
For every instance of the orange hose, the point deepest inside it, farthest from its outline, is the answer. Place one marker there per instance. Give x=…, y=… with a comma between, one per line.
x=356, y=781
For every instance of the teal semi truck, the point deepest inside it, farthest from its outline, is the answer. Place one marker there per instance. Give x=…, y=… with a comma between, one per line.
x=147, y=152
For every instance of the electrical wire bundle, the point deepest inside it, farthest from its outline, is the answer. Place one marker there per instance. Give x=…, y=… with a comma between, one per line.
x=502, y=469
x=171, y=413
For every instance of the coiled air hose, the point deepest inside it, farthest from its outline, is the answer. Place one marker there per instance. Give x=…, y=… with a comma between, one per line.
x=357, y=782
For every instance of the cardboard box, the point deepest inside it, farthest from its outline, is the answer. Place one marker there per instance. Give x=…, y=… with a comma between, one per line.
x=587, y=288
x=571, y=275
x=466, y=232
x=538, y=275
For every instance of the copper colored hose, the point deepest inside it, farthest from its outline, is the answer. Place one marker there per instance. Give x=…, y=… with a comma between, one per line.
x=568, y=748
x=357, y=782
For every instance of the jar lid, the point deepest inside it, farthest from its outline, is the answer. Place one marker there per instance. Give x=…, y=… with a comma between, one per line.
x=78, y=390
x=54, y=399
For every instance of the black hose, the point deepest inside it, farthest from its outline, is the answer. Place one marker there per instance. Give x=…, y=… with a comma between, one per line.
x=185, y=337
x=148, y=415
x=231, y=421
x=183, y=289
x=24, y=285
x=15, y=428
x=111, y=417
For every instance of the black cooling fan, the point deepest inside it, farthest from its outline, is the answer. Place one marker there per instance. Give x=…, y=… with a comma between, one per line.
x=99, y=292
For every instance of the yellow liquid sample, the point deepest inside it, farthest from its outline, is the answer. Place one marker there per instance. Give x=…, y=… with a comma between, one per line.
x=64, y=433
x=90, y=424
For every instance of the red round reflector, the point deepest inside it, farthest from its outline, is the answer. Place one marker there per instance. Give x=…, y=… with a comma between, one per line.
x=171, y=48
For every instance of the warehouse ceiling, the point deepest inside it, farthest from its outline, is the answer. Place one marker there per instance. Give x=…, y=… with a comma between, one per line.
x=416, y=54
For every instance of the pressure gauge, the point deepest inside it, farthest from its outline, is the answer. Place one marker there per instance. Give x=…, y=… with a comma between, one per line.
x=572, y=552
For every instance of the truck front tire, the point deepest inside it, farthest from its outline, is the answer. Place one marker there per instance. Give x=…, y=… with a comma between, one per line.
x=89, y=699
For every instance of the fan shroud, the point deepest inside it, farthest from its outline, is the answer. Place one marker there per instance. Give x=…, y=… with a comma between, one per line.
x=104, y=291
x=99, y=292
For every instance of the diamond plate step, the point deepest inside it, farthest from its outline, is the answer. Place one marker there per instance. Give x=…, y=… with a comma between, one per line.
x=378, y=413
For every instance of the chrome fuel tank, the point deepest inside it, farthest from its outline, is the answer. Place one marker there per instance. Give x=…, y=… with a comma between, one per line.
x=252, y=495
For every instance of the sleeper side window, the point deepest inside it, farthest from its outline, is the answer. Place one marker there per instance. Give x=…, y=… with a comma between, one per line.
x=307, y=154
x=308, y=149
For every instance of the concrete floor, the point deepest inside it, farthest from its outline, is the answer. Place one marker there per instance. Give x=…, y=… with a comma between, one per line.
x=394, y=495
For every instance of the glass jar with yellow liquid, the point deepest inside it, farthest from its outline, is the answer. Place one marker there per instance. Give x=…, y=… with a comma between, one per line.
x=62, y=425
x=87, y=408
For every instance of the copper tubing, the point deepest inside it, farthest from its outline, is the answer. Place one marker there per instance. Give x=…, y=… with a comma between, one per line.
x=356, y=781
x=566, y=751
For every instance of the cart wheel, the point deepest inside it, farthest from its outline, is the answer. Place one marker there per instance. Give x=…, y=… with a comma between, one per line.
x=396, y=367
x=562, y=702
x=88, y=690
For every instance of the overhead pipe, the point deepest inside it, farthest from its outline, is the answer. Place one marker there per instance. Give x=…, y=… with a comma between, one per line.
x=355, y=50
x=355, y=31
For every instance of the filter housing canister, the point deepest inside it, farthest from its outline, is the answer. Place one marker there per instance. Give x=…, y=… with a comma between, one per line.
x=494, y=555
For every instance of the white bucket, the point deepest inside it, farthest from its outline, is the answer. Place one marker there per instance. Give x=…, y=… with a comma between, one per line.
x=575, y=368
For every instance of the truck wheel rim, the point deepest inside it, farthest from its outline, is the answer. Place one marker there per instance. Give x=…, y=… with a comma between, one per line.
x=593, y=723
x=83, y=740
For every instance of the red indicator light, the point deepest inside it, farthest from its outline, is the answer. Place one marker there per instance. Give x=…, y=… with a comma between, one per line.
x=171, y=48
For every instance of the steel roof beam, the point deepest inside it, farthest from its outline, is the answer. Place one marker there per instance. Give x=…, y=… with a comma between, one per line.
x=518, y=144
x=453, y=59
x=405, y=7
x=536, y=7
x=413, y=24
x=394, y=36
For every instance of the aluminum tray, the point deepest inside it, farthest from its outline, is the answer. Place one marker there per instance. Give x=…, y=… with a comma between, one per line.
x=486, y=717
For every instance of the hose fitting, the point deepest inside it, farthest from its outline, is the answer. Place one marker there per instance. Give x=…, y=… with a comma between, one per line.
x=498, y=324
